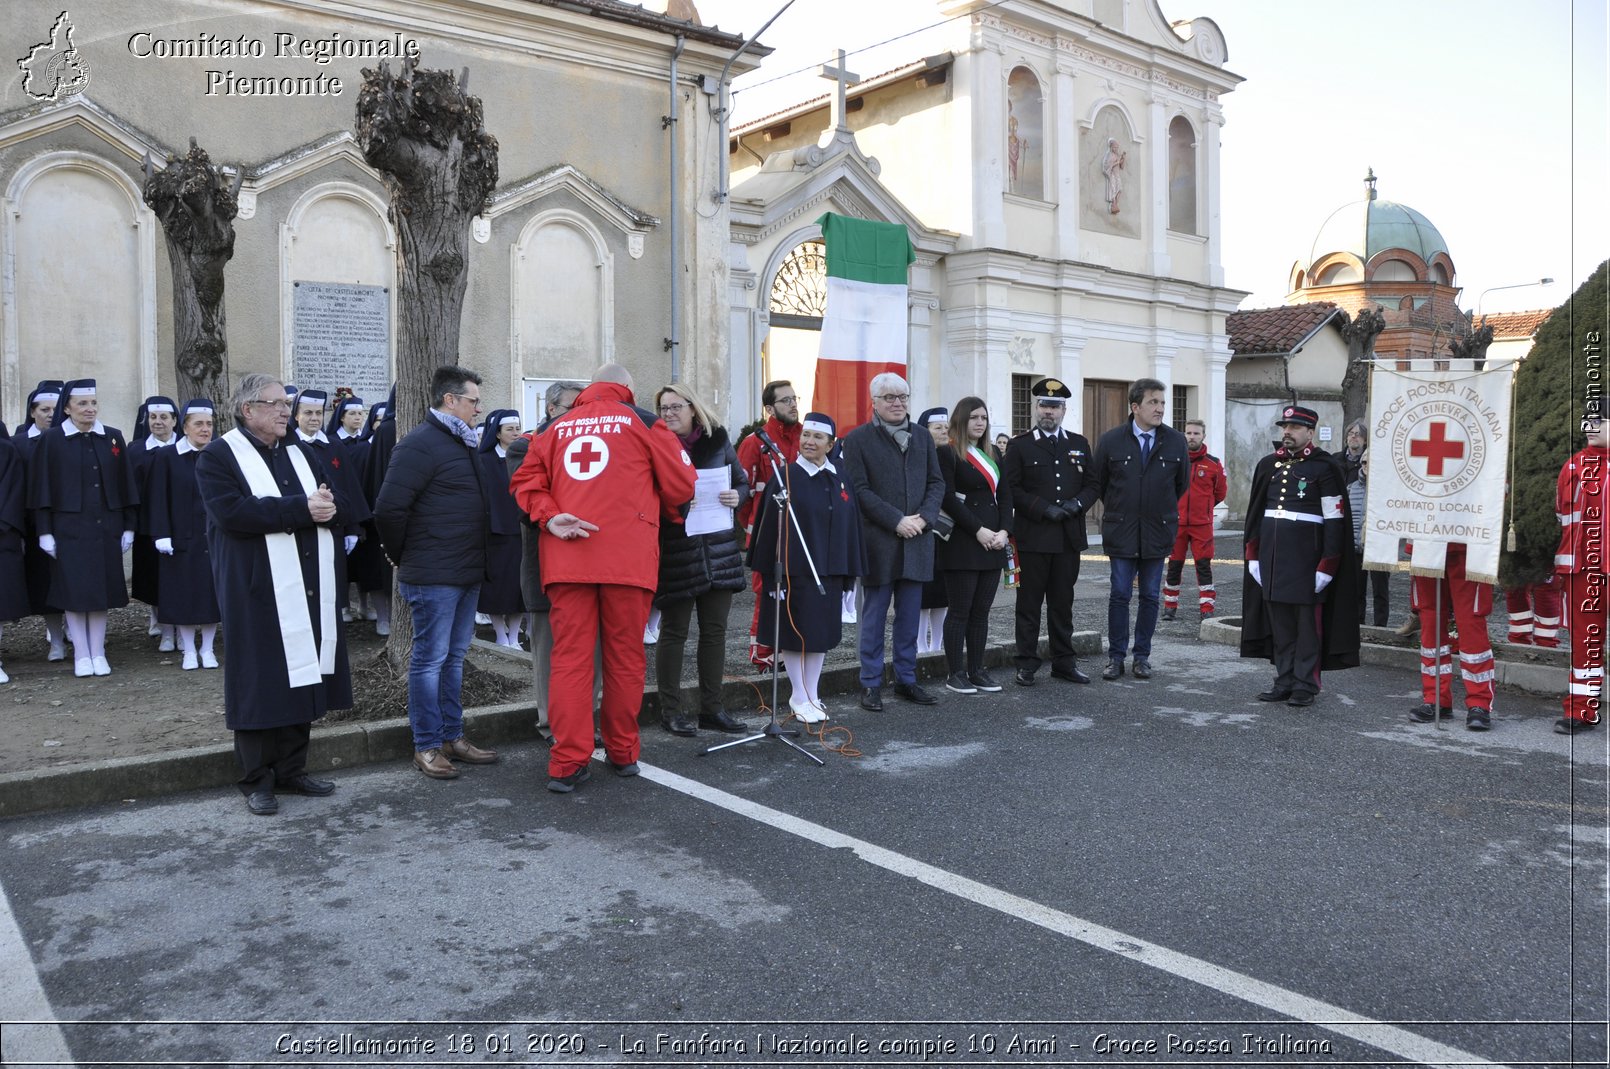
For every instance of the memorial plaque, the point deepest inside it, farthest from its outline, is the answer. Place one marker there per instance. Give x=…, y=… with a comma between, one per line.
x=341, y=336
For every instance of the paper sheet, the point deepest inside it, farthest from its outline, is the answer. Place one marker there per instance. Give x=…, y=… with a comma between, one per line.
x=707, y=515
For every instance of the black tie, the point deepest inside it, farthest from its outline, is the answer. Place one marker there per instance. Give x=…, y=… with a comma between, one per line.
x=1145, y=448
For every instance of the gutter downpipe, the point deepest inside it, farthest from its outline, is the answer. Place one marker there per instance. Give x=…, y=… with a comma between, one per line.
x=674, y=342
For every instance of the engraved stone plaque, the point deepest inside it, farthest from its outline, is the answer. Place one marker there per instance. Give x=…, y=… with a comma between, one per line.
x=341, y=336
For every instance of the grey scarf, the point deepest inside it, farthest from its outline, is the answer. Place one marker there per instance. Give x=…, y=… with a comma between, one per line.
x=901, y=432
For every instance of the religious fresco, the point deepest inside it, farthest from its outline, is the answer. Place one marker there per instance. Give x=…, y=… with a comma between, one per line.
x=1025, y=135
x=1110, y=178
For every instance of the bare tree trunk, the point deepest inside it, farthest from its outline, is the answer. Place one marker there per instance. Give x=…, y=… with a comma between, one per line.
x=422, y=131
x=197, y=209
x=1360, y=333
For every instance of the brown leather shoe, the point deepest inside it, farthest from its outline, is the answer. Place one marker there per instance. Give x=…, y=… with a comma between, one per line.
x=462, y=749
x=435, y=764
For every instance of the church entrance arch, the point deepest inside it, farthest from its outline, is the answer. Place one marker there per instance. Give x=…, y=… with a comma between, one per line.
x=795, y=303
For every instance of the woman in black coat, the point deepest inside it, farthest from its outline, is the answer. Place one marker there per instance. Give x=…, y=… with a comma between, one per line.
x=501, y=597
x=154, y=423
x=176, y=520
x=698, y=572
x=41, y=410
x=978, y=499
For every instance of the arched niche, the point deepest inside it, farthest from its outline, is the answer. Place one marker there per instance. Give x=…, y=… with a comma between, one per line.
x=1025, y=134
x=562, y=278
x=79, y=281
x=1111, y=182
x=1182, y=176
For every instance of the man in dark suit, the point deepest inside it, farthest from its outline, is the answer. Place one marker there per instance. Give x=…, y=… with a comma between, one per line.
x=1047, y=470
x=1141, y=472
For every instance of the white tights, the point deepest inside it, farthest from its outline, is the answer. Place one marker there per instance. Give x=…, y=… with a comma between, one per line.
x=187, y=637
x=88, y=633
x=804, y=671
x=506, y=629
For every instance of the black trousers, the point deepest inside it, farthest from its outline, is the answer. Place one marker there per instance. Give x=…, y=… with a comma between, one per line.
x=1375, y=591
x=1294, y=632
x=970, y=595
x=710, y=655
x=1046, y=578
x=271, y=755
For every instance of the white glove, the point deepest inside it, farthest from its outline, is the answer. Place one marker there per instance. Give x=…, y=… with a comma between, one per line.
x=1257, y=577
x=1321, y=581
x=128, y=540
x=47, y=542
x=165, y=546
x=351, y=541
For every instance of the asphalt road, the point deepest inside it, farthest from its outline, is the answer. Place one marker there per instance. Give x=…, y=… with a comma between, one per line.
x=1160, y=872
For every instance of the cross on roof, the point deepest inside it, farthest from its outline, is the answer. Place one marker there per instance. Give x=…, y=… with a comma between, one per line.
x=840, y=74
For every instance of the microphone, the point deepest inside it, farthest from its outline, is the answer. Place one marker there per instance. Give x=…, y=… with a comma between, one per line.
x=770, y=446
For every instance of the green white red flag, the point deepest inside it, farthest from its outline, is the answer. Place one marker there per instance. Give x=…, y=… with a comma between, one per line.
x=864, y=328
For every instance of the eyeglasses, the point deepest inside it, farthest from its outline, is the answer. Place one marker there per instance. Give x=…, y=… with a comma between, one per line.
x=784, y=401
x=476, y=400
x=894, y=398
x=666, y=410
x=279, y=406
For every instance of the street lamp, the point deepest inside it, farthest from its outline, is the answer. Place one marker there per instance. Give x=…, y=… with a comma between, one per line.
x=1516, y=286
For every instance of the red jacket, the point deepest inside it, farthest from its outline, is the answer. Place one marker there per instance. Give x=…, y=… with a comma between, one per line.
x=614, y=465
x=757, y=464
x=1580, y=500
x=1206, y=489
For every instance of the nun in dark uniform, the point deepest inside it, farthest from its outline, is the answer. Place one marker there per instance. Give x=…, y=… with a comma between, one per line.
x=13, y=532
x=375, y=579
x=42, y=404
x=935, y=603
x=154, y=424
x=81, y=494
x=500, y=592
x=307, y=427
x=177, y=521
x=345, y=431
x=829, y=525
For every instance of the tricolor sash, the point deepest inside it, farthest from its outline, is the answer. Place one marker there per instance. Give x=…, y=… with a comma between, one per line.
x=304, y=664
x=985, y=465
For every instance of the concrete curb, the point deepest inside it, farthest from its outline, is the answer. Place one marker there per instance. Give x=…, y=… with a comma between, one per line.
x=1547, y=674
x=349, y=745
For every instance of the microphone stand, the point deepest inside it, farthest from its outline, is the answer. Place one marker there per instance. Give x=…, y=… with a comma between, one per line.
x=785, y=509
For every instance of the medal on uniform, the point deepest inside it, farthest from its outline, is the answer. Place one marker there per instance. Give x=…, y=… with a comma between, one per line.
x=1302, y=488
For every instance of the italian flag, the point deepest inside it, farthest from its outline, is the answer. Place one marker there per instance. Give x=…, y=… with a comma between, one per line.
x=864, y=328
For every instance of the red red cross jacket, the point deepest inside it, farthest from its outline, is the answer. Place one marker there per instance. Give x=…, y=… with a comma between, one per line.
x=614, y=465
x=1580, y=500
x=757, y=464
x=1206, y=489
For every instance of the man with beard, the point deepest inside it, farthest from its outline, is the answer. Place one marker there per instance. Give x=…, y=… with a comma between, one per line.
x=1207, y=489
x=782, y=427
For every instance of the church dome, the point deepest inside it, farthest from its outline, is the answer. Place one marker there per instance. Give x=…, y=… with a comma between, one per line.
x=1363, y=230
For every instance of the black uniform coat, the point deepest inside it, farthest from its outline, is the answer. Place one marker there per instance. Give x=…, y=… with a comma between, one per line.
x=1289, y=552
x=501, y=594
x=81, y=490
x=172, y=508
x=530, y=559
x=834, y=530
x=257, y=689
x=1041, y=472
x=13, y=531
x=431, y=511
x=35, y=561
x=1141, y=508
x=144, y=578
x=970, y=502
x=691, y=565
x=888, y=486
x=375, y=574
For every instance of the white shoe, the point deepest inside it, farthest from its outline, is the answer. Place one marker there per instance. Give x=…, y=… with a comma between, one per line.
x=190, y=663
x=3, y=677
x=368, y=614
x=820, y=708
x=806, y=712
x=208, y=659
x=651, y=636
x=58, y=651
x=101, y=667
x=482, y=620
x=153, y=629
x=847, y=616
x=166, y=645
x=83, y=666
x=346, y=616
x=382, y=629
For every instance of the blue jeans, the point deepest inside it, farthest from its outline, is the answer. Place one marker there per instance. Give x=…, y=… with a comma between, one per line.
x=1124, y=570
x=906, y=595
x=444, y=623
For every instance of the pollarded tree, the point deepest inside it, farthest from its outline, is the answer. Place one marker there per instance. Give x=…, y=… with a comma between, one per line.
x=1551, y=389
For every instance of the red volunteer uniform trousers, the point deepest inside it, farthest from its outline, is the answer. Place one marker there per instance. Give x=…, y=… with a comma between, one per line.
x=1534, y=613
x=1198, y=539
x=1469, y=603
x=584, y=615
x=1585, y=597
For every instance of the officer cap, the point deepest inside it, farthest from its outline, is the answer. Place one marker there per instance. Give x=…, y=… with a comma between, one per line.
x=1051, y=390
x=1297, y=414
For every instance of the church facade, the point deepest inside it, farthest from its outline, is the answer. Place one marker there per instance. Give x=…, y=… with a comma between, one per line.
x=599, y=243
x=1057, y=167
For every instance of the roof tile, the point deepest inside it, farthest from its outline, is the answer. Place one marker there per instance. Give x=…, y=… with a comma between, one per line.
x=1258, y=331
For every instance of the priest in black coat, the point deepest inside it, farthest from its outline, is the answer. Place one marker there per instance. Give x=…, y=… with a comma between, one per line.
x=1300, y=599
x=274, y=533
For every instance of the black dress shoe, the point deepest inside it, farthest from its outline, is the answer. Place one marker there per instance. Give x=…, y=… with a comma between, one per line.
x=262, y=803
x=722, y=721
x=306, y=784
x=872, y=699
x=1114, y=670
x=1071, y=675
x=958, y=682
x=1142, y=668
x=1274, y=694
x=913, y=692
x=1301, y=699
x=680, y=725
x=1024, y=677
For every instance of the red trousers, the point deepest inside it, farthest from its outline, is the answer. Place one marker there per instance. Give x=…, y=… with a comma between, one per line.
x=1534, y=612
x=583, y=615
x=1469, y=603
x=1199, y=541
x=1585, y=597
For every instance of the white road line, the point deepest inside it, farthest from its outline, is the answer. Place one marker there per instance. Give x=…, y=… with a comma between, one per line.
x=22, y=998
x=1390, y=1038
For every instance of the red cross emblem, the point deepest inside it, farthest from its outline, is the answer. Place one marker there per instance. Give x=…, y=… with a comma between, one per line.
x=586, y=457
x=335, y=462
x=115, y=450
x=1436, y=448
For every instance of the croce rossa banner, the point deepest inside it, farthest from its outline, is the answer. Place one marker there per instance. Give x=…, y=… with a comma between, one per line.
x=1438, y=451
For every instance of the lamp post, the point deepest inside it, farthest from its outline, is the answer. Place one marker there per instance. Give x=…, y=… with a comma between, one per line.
x=1515, y=286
